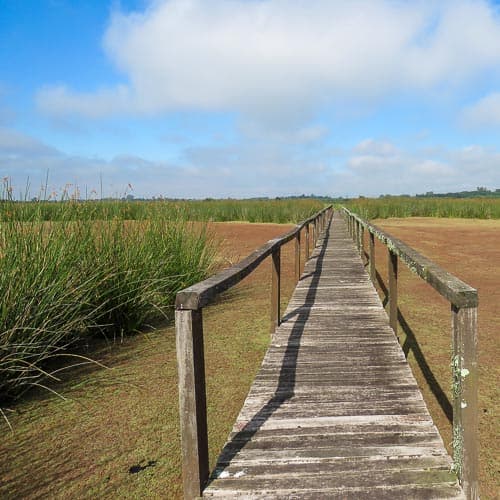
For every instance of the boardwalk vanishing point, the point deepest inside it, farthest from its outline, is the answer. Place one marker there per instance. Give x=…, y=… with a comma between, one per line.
x=335, y=411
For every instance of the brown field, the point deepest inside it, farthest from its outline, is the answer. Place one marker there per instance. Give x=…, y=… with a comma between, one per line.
x=470, y=249
x=116, y=434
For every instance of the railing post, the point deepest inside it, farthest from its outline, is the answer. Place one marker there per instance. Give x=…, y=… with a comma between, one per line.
x=373, y=270
x=297, y=257
x=392, y=266
x=358, y=230
x=465, y=409
x=275, y=288
x=362, y=241
x=192, y=401
x=307, y=241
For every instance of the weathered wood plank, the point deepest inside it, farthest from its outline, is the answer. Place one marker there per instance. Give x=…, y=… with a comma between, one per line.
x=455, y=290
x=334, y=410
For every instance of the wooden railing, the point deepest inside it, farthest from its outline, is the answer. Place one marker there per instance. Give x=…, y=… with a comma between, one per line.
x=464, y=301
x=189, y=341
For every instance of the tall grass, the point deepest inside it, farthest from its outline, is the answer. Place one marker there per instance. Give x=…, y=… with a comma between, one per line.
x=277, y=211
x=66, y=280
x=70, y=269
x=403, y=206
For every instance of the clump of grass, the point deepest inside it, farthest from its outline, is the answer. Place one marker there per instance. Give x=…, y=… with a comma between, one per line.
x=66, y=280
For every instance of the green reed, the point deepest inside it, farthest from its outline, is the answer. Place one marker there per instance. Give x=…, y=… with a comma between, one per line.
x=402, y=206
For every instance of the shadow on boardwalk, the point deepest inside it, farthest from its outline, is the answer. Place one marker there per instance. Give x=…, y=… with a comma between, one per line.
x=286, y=381
x=411, y=344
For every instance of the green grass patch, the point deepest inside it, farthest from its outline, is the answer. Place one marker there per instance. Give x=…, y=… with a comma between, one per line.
x=276, y=211
x=406, y=206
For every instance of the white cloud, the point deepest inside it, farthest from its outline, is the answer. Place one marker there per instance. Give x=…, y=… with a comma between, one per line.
x=59, y=101
x=485, y=112
x=278, y=61
x=385, y=168
x=432, y=168
x=373, y=147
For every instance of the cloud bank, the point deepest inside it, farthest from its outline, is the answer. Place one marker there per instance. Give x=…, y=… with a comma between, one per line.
x=281, y=60
x=369, y=168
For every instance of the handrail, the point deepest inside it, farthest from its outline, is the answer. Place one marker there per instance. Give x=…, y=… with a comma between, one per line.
x=189, y=342
x=446, y=284
x=202, y=293
x=464, y=301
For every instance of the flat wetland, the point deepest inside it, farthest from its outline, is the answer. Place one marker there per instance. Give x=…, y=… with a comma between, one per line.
x=116, y=432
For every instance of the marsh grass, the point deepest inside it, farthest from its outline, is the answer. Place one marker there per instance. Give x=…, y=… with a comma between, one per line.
x=275, y=211
x=66, y=280
x=72, y=269
x=405, y=206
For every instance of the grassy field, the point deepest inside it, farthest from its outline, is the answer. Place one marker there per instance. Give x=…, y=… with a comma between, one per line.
x=276, y=211
x=404, y=206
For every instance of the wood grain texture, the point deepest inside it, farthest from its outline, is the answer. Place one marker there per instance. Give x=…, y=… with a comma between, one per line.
x=334, y=411
x=449, y=286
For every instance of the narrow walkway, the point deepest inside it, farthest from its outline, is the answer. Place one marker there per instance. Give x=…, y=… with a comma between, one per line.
x=334, y=411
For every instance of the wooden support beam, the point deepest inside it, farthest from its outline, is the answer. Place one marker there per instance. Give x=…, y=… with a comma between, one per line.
x=373, y=269
x=307, y=242
x=465, y=403
x=297, y=257
x=192, y=401
x=392, y=266
x=358, y=232
x=362, y=242
x=275, y=289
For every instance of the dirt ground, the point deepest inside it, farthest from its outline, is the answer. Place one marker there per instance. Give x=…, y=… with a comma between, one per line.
x=469, y=249
x=116, y=435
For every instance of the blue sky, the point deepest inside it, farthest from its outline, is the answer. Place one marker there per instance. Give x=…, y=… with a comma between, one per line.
x=240, y=98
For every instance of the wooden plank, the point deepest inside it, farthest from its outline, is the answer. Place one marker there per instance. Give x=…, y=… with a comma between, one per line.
x=334, y=410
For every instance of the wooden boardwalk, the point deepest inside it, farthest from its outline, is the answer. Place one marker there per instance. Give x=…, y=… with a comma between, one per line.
x=334, y=411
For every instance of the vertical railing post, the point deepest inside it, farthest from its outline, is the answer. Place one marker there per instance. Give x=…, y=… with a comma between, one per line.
x=192, y=401
x=373, y=269
x=392, y=266
x=465, y=409
x=358, y=231
x=362, y=242
x=297, y=257
x=307, y=241
x=275, y=288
